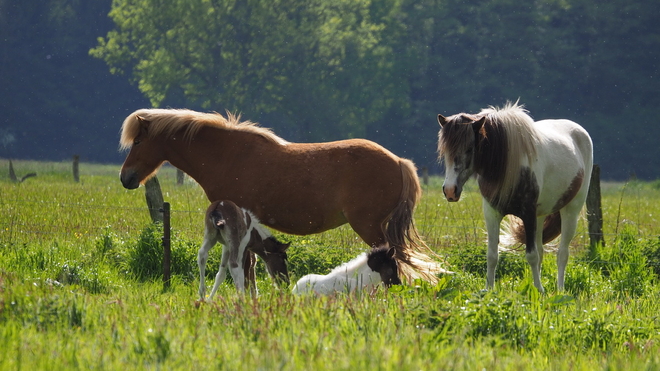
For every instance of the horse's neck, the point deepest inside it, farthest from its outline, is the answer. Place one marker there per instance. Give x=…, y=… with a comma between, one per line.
x=255, y=224
x=203, y=157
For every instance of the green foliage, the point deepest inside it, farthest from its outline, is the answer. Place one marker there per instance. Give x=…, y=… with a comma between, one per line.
x=144, y=260
x=626, y=264
x=651, y=250
x=472, y=259
x=68, y=299
x=329, y=69
x=313, y=256
x=216, y=54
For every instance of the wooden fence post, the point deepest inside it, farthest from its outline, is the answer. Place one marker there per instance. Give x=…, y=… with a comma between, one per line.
x=425, y=175
x=76, y=172
x=154, y=198
x=12, y=173
x=167, y=250
x=179, y=177
x=595, y=211
x=14, y=178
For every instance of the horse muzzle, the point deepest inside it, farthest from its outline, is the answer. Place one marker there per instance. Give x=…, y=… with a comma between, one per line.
x=452, y=194
x=129, y=179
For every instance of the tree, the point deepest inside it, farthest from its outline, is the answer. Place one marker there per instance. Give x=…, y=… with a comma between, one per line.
x=311, y=63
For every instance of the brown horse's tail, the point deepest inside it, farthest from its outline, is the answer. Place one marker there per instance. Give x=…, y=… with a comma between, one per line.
x=411, y=251
x=514, y=230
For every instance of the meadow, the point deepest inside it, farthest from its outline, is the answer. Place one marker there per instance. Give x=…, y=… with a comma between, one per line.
x=81, y=288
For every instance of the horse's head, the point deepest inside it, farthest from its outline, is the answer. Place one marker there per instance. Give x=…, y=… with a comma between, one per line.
x=381, y=260
x=273, y=253
x=146, y=153
x=457, y=145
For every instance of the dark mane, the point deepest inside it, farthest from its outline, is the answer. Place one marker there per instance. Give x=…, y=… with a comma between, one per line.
x=490, y=160
x=455, y=134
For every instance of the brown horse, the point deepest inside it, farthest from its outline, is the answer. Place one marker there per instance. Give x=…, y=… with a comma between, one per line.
x=296, y=188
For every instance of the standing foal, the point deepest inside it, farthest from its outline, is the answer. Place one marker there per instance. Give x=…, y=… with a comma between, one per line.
x=240, y=234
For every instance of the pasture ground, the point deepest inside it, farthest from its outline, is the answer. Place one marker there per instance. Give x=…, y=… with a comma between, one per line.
x=80, y=288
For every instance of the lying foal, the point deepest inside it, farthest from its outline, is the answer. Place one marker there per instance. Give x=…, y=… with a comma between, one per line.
x=362, y=273
x=241, y=236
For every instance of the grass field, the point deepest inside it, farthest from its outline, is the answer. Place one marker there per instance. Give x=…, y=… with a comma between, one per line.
x=80, y=288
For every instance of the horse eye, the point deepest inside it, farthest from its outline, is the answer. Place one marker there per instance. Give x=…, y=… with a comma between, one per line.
x=136, y=142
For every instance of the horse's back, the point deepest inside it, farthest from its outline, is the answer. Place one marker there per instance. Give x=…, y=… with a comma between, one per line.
x=568, y=134
x=565, y=164
x=324, y=285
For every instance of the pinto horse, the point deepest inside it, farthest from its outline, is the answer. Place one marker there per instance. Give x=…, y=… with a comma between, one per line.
x=365, y=272
x=240, y=234
x=536, y=171
x=295, y=188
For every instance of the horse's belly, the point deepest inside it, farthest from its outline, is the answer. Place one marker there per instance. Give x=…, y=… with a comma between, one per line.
x=291, y=224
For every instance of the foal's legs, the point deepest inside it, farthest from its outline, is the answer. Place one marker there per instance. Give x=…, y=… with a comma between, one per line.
x=493, y=219
x=202, y=256
x=222, y=271
x=249, y=262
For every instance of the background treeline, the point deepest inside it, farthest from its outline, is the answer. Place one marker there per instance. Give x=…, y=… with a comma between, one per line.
x=318, y=70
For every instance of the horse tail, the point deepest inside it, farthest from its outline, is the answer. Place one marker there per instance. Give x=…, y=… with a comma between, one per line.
x=401, y=233
x=514, y=230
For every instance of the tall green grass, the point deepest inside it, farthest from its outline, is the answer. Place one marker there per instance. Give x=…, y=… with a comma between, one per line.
x=80, y=288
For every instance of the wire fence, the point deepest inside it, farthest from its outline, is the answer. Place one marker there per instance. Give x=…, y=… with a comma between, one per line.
x=72, y=221
x=46, y=219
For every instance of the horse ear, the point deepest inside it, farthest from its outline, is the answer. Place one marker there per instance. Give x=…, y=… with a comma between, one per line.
x=143, y=122
x=284, y=246
x=477, y=125
x=442, y=120
x=390, y=253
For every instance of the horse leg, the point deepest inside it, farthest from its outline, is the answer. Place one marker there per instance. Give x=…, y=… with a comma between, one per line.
x=202, y=256
x=493, y=219
x=222, y=271
x=569, y=219
x=539, y=240
x=238, y=274
x=532, y=254
x=371, y=233
x=236, y=268
x=249, y=263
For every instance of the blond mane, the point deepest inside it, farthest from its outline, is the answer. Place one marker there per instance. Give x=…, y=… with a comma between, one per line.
x=169, y=121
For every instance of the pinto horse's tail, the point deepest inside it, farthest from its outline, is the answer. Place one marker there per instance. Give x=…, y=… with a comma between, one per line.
x=514, y=230
x=401, y=233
